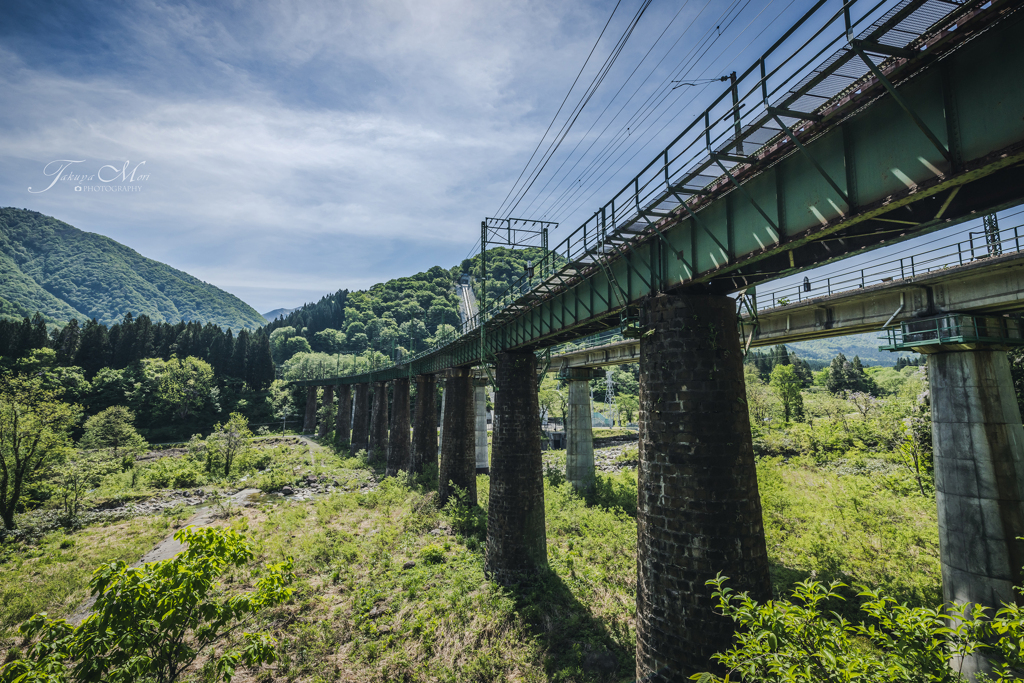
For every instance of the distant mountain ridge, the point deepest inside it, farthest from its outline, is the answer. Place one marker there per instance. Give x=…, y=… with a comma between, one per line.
x=62, y=272
x=273, y=315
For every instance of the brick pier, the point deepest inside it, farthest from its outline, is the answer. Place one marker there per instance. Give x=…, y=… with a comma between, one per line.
x=361, y=419
x=343, y=423
x=699, y=511
x=379, y=420
x=424, y=426
x=398, y=443
x=458, y=443
x=516, y=539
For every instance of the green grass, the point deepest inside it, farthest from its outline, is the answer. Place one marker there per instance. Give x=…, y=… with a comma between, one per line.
x=360, y=615
x=52, y=573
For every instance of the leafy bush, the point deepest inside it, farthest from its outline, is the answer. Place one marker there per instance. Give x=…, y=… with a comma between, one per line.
x=155, y=621
x=467, y=519
x=432, y=554
x=253, y=459
x=616, y=491
x=787, y=641
x=173, y=473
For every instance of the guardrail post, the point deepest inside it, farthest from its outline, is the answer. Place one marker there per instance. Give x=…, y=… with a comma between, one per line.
x=903, y=275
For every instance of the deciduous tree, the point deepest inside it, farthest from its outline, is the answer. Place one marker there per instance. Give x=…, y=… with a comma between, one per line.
x=35, y=428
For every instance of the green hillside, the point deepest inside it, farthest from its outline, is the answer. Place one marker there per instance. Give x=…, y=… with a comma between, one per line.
x=863, y=345
x=49, y=266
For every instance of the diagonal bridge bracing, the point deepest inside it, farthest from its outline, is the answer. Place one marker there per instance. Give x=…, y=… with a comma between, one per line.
x=893, y=126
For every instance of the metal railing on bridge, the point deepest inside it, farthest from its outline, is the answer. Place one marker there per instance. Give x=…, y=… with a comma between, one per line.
x=979, y=246
x=775, y=104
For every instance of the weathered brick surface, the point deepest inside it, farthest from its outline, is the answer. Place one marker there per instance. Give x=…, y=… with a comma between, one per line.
x=328, y=401
x=458, y=443
x=309, y=421
x=361, y=419
x=379, y=419
x=698, y=512
x=343, y=423
x=516, y=542
x=424, y=426
x=398, y=441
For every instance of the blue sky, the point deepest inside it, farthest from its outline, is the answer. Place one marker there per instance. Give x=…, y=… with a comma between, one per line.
x=292, y=149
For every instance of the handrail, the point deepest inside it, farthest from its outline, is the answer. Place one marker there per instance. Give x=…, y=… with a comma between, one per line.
x=681, y=168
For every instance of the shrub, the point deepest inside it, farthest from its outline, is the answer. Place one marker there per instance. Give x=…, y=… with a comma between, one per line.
x=466, y=519
x=153, y=622
x=785, y=641
x=432, y=554
x=173, y=473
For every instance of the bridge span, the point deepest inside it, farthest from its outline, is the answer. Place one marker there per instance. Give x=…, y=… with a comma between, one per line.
x=865, y=124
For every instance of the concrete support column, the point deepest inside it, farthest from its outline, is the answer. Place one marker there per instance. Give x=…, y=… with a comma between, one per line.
x=424, y=426
x=698, y=511
x=480, y=398
x=379, y=420
x=458, y=444
x=309, y=422
x=579, y=432
x=343, y=423
x=978, y=444
x=328, y=400
x=398, y=443
x=361, y=419
x=516, y=539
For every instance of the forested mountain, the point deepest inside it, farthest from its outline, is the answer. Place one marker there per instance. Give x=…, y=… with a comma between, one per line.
x=62, y=272
x=403, y=314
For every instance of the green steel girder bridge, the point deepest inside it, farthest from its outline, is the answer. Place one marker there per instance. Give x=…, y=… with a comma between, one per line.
x=846, y=135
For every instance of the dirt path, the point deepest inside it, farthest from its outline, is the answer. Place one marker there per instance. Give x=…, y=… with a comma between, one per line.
x=169, y=547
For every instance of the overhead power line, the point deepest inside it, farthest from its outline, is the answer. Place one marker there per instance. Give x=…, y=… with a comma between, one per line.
x=584, y=100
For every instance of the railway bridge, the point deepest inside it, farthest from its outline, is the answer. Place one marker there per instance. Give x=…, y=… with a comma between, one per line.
x=863, y=125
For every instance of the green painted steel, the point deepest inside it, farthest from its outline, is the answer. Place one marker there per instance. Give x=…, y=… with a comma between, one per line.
x=937, y=139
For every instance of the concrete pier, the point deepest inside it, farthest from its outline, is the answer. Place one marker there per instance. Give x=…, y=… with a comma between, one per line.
x=361, y=419
x=309, y=421
x=324, y=425
x=699, y=511
x=424, y=426
x=379, y=421
x=343, y=422
x=579, y=432
x=458, y=444
x=516, y=539
x=978, y=446
x=398, y=441
x=480, y=396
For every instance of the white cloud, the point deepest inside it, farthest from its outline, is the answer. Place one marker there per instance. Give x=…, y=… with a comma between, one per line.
x=330, y=145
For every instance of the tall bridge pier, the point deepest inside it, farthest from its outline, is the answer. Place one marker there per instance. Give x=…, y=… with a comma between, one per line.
x=424, y=426
x=458, y=442
x=698, y=508
x=343, y=422
x=398, y=443
x=361, y=419
x=516, y=537
x=579, y=432
x=978, y=447
x=379, y=420
x=480, y=398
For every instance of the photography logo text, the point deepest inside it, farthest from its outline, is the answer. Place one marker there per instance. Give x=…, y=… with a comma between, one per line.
x=108, y=178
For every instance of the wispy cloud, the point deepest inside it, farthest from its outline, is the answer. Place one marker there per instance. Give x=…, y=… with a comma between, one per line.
x=292, y=149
